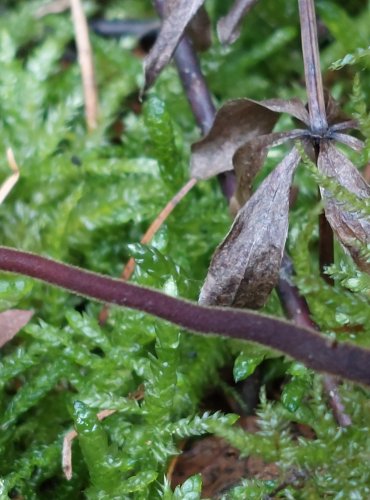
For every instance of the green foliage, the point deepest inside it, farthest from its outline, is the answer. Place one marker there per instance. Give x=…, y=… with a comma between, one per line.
x=246, y=363
x=88, y=198
x=190, y=490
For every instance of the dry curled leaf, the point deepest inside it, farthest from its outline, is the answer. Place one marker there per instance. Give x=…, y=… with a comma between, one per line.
x=178, y=14
x=293, y=107
x=11, y=322
x=334, y=113
x=348, y=140
x=245, y=267
x=228, y=27
x=350, y=228
x=237, y=122
x=249, y=159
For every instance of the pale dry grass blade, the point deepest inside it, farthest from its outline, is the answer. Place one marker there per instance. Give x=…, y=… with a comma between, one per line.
x=85, y=58
x=11, y=181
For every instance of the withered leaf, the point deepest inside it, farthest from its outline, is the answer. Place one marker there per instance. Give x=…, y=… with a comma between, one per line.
x=348, y=140
x=245, y=267
x=237, y=122
x=250, y=157
x=199, y=30
x=228, y=27
x=350, y=228
x=334, y=112
x=178, y=14
x=293, y=107
x=11, y=322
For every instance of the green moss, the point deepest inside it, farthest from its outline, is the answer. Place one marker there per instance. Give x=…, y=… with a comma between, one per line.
x=87, y=199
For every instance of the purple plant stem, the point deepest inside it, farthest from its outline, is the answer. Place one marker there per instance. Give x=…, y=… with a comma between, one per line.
x=317, y=111
x=198, y=95
x=304, y=344
x=326, y=247
x=194, y=85
x=296, y=308
x=311, y=59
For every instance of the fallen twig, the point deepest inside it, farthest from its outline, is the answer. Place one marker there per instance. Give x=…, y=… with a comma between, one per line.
x=85, y=58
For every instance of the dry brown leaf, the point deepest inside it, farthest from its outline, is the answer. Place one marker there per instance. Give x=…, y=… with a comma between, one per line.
x=245, y=267
x=200, y=30
x=11, y=322
x=178, y=14
x=237, y=122
x=249, y=159
x=228, y=27
x=334, y=113
x=293, y=107
x=350, y=228
x=348, y=140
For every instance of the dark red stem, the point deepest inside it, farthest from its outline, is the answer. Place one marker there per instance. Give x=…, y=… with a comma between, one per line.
x=303, y=344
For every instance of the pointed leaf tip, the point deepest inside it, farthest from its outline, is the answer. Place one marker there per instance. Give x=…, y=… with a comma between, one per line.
x=228, y=27
x=178, y=15
x=245, y=267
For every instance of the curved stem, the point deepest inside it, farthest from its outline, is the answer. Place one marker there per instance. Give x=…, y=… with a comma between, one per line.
x=303, y=344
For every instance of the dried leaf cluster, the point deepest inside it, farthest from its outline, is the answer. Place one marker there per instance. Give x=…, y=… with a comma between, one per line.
x=245, y=267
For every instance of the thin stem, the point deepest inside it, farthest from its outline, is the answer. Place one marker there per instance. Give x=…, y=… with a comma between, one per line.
x=326, y=247
x=85, y=59
x=157, y=223
x=195, y=85
x=228, y=26
x=12, y=180
x=311, y=59
x=148, y=236
x=198, y=95
x=296, y=308
x=306, y=345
